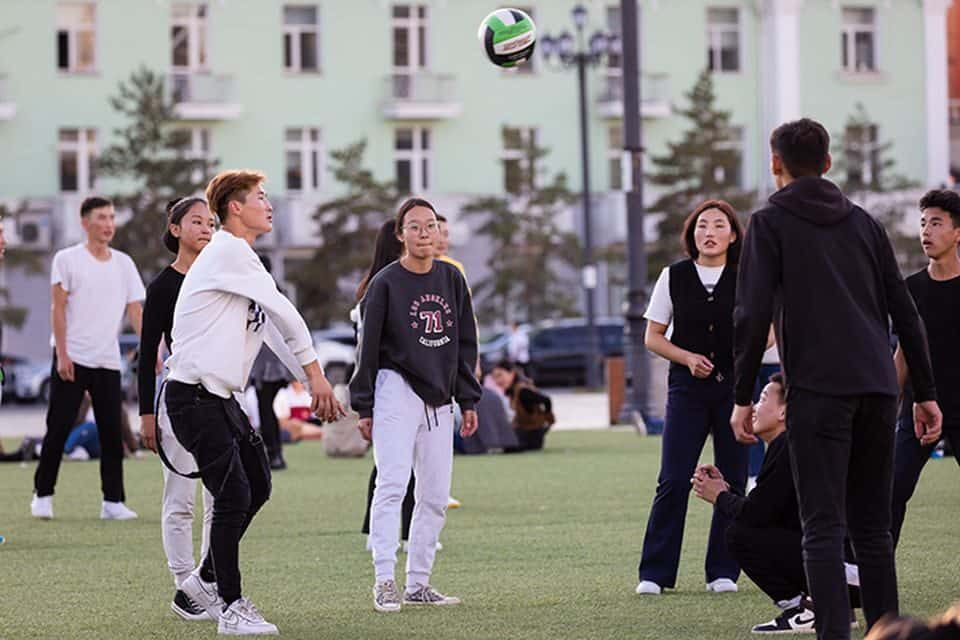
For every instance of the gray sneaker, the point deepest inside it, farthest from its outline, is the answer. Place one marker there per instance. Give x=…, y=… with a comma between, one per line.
x=386, y=598
x=428, y=596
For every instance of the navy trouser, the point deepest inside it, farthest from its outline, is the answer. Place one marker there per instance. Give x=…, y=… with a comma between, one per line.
x=695, y=408
x=908, y=461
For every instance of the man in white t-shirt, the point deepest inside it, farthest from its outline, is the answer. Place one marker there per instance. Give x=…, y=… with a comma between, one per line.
x=518, y=347
x=93, y=287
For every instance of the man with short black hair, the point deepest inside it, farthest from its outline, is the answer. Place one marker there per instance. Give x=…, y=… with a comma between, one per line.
x=93, y=286
x=936, y=292
x=830, y=271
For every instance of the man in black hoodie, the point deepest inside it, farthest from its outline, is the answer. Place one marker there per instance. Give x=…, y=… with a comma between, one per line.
x=828, y=268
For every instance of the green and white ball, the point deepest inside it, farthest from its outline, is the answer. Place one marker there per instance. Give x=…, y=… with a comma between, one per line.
x=508, y=37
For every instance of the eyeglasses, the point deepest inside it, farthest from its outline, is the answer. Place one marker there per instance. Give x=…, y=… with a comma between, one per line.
x=416, y=228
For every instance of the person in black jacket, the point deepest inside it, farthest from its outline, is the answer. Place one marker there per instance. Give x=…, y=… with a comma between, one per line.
x=832, y=272
x=936, y=291
x=532, y=409
x=696, y=297
x=764, y=533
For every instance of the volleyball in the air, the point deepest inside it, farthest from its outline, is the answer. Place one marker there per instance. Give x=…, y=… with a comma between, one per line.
x=508, y=37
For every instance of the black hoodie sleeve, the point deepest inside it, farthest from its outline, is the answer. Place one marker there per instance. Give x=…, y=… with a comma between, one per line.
x=373, y=312
x=467, y=389
x=906, y=322
x=156, y=305
x=757, y=282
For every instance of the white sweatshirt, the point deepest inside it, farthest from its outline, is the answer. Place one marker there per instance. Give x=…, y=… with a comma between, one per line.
x=227, y=308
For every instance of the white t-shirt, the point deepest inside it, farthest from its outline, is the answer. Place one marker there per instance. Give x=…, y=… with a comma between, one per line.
x=518, y=347
x=98, y=293
x=227, y=308
x=288, y=399
x=660, y=308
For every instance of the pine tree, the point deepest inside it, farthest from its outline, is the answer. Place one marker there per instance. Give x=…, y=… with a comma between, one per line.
x=347, y=227
x=530, y=276
x=151, y=158
x=864, y=169
x=703, y=164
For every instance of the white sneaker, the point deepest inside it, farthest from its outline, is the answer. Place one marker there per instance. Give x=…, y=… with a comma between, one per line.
x=203, y=594
x=722, y=585
x=453, y=503
x=78, y=453
x=646, y=587
x=241, y=618
x=42, y=507
x=116, y=511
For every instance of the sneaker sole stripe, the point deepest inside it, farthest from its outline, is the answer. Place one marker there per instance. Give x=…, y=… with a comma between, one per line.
x=186, y=615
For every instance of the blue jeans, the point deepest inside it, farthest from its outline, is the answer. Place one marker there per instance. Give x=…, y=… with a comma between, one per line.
x=695, y=408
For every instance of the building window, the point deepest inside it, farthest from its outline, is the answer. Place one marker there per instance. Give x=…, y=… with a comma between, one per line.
x=732, y=175
x=861, y=154
x=858, y=39
x=412, y=159
x=304, y=158
x=723, y=39
x=615, y=156
x=519, y=145
x=78, y=152
x=188, y=37
x=76, y=37
x=410, y=37
x=301, y=39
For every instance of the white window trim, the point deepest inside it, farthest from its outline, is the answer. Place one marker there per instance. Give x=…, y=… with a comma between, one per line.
x=851, y=30
x=197, y=27
x=305, y=147
x=617, y=153
x=715, y=39
x=84, y=152
x=411, y=24
x=526, y=133
x=419, y=183
x=73, y=30
x=294, y=31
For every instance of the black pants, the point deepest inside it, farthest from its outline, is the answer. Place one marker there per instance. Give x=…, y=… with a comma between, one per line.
x=233, y=466
x=406, y=509
x=269, y=427
x=908, y=462
x=773, y=558
x=530, y=439
x=65, y=399
x=841, y=448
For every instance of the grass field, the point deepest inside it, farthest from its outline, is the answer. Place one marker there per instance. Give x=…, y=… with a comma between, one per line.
x=545, y=546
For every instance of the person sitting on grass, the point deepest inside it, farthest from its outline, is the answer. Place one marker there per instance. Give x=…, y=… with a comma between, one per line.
x=292, y=408
x=533, y=410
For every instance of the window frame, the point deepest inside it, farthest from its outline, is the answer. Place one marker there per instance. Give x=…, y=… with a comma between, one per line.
x=419, y=156
x=86, y=150
x=714, y=38
x=294, y=32
x=312, y=159
x=849, y=32
x=73, y=31
x=411, y=24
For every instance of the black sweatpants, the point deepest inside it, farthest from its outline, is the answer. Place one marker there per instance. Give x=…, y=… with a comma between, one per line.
x=65, y=399
x=841, y=448
x=233, y=466
x=406, y=509
x=269, y=426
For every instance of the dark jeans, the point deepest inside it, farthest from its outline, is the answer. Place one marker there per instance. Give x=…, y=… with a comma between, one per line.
x=757, y=449
x=406, y=509
x=233, y=466
x=841, y=448
x=695, y=408
x=269, y=426
x=65, y=399
x=773, y=558
x=908, y=462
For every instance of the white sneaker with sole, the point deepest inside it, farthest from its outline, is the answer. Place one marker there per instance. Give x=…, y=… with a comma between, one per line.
x=648, y=588
x=203, y=594
x=116, y=511
x=241, y=618
x=42, y=507
x=722, y=585
x=386, y=598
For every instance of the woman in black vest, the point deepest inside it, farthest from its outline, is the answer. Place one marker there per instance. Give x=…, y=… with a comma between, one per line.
x=696, y=297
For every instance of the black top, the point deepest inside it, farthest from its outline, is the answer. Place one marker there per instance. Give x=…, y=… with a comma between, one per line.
x=831, y=269
x=422, y=327
x=773, y=502
x=938, y=302
x=158, y=308
x=703, y=320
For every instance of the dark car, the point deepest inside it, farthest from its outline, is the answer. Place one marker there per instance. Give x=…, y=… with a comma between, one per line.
x=558, y=350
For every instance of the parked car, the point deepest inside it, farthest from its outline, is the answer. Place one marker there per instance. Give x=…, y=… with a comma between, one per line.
x=494, y=348
x=558, y=349
x=336, y=358
x=11, y=365
x=343, y=333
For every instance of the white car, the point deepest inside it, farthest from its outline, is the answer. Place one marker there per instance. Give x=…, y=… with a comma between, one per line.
x=336, y=359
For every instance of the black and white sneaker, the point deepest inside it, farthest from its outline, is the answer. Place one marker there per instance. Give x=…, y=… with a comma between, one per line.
x=186, y=608
x=796, y=620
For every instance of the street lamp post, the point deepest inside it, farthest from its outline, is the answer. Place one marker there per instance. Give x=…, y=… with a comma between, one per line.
x=574, y=51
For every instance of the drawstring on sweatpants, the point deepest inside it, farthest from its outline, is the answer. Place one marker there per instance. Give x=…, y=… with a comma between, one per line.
x=436, y=419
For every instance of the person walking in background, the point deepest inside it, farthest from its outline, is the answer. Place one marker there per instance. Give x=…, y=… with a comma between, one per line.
x=190, y=225
x=695, y=296
x=823, y=270
x=518, y=348
x=93, y=287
